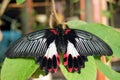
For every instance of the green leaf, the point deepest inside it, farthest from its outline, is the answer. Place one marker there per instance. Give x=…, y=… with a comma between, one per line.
x=76, y=23
x=106, y=70
x=108, y=58
x=38, y=72
x=87, y=73
x=18, y=69
x=20, y=1
x=108, y=34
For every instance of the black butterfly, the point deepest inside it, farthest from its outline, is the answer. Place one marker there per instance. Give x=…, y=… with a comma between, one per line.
x=46, y=45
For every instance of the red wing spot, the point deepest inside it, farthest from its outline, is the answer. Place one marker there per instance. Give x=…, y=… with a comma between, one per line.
x=54, y=32
x=55, y=70
x=50, y=70
x=70, y=69
x=65, y=59
x=67, y=31
x=58, y=59
x=76, y=69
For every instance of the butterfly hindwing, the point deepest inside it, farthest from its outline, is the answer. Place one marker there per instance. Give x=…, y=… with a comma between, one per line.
x=72, y=59
x=51, y=59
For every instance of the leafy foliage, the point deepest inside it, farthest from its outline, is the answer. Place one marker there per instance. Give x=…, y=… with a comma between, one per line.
x=22, y=69
x=20, y=1
x=18, y=69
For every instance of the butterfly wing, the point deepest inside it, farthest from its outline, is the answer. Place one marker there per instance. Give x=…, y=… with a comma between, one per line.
x=88, y=44
x=81, y=44
x=39, y=45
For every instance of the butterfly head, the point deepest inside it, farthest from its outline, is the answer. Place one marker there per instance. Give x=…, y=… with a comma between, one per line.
x=62, y=27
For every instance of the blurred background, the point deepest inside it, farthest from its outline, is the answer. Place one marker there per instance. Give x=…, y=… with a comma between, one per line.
x=19, y=19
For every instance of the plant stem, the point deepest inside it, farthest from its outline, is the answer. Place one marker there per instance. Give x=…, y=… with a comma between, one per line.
x=54, y=12
x=112, y=12
x=50, y=20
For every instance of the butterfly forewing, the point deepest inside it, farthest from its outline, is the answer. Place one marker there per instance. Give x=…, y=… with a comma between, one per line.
x=29, y=45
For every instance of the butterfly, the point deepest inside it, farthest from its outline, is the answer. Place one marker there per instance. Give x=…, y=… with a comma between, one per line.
x=46, y=46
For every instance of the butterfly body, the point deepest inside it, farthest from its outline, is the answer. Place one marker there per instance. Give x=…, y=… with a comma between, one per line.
x=46, y=45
